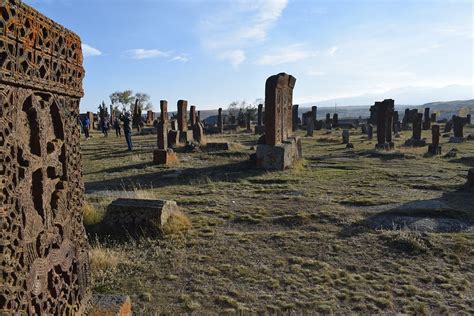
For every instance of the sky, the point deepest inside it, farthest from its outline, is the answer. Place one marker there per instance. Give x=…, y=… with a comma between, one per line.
x=213, y=52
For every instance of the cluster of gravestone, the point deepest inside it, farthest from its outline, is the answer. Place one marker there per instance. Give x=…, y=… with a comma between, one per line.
x=44, y=251
x=179, y=132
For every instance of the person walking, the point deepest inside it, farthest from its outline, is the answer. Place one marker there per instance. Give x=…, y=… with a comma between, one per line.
x=127, y=128
x=86, y=125
x=117, y=128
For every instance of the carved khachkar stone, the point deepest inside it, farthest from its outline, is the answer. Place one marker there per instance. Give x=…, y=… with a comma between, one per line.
x=434, y=148
x=182, y=115
x=427, y=119
x=279, y=149
x=163, y=155
x=384, y=115
x=314, y=112
x=295, y=117
x=192, y=114
x=259, y=128
x=150, y=117
x=43, y=246
x=416, y=137
x=335, y=120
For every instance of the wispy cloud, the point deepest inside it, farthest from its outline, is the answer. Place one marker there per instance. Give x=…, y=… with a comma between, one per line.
x=332, y=50
x=238, y=26
x=141, y=53
x=289, y=54
x=316, y=73
x=89, y=51
x=235, y=57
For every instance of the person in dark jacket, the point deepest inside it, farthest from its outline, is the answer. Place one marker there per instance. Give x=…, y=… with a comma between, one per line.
x=86, y=125
x=118, y=131
x=127, y=128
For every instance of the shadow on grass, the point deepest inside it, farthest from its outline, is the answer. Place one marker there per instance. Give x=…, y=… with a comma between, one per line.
x=141, y=165
x=452, y=212
x=468, y=161
x=227, y=173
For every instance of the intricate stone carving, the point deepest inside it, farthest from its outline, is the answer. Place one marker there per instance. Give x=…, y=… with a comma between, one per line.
x=44, y=249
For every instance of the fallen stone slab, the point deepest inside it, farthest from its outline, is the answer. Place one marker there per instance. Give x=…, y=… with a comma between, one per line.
x=138, y=215
x=110, y=305
x=217, y=146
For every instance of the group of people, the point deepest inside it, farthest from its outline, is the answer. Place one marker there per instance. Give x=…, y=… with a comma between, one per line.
x=125, y=118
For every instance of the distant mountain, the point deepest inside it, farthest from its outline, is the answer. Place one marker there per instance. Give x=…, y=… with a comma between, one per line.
x=405, y=95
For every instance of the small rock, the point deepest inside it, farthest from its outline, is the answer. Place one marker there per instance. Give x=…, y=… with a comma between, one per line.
x=452, y=153
x=470, y=137
x=350, y=145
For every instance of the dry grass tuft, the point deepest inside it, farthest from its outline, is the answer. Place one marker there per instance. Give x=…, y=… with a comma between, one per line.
x=177, y=223
x=90, y=214
x=103, y=259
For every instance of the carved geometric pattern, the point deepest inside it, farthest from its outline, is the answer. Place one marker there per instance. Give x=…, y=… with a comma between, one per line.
x=43, y=246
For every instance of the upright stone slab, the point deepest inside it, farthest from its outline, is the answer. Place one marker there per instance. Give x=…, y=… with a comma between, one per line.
x=434, y=148
x=295, y=117
x=90, y=116
x=384, y=114
x=43, y=246
x=310, y=127
x=182, y=115
x=433, y=117
x=345, y=136
x=458, y=126
x=192, y=114
x=280, y=149
x=164, y=154
x=427, y=119
x=416, y=140
x=405, y=120
x=328, y=121
x=370, y=131
x=150, y=117
x=198, y=118
x=396, y=122
x=259, y=128
x=468, y=119
x=278, y=108
x=220, y=121
x=335, y=120
x=184, y=134
x=314, y=112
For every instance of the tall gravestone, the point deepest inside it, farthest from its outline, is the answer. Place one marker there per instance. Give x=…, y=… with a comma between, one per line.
x=280, y=149
x=314, y=111
x=259, y=128
x=434, y=148
x=458, y=127
x=335, y=120
x=164, y=154
x=416, y=140
x=384, y=115
x=43, y=245
x=220, y=121
x=192, y=114
x=328, y=121
x=427, y=119
x=150, y=117
x=184, y=134
x=433, y=117
x=295, y=117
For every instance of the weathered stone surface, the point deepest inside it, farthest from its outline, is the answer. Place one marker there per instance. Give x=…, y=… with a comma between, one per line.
x=370, y=131
x=279, y=157
x=433, y=117
x=150, y=117
x=182, y=115
x=260, y=115
x=173, y=138
x=186, y=136
x=220, y=121
x=384, y=115
x=458, y=125
x=110, y=305
x=278, y=108
x=335, y=120
x=310, y=127
x=417, y=126
x=314, y=112
x=43, y=246
x=434, y=147
x=162, y=130
x=138, y=215
x=192, y=114
x=427, y=119
x=295, y=117
x=198, y=132
x=164, y=157
x=345, y=136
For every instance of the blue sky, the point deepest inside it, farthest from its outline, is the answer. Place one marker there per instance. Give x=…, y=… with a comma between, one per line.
x=213, y=52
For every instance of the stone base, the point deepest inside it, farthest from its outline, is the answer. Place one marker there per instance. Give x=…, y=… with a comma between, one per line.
x=259, y=130
x=456, y=139
x=110, y=305
x=186, y=136
x=434, y=150
x=164, y=157
x=279, y=157
x=385, y=146
x=138, y=216
x=415, y=142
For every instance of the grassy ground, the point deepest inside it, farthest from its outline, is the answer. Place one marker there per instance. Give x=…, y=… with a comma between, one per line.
x=285, y=241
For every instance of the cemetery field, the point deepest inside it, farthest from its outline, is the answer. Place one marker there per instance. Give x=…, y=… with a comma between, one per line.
x=338, y=233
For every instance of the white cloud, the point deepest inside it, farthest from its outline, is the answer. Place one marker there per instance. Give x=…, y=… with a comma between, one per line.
x=181, y=58
x=89, y=51
x=238, y=25
x=289, y=54
x=140, y=53
x=235, y=57
x=332, y=50
x=316, y=73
